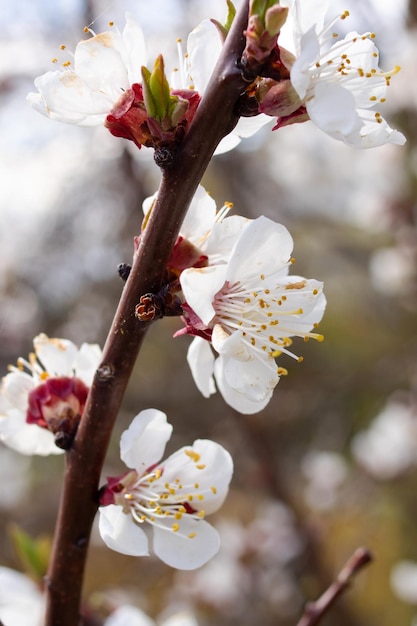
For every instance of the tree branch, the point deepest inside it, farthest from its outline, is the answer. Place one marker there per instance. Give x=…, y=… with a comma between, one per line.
x=314, y=611
x=215, y=117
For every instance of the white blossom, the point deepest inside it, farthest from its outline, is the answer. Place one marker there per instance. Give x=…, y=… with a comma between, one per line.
x=171, y=496
x=337, y=80
x=249, y=308
x=22, y=393
x=21, y=601
x=388, y=447
x=88, y=86
x=404, y=581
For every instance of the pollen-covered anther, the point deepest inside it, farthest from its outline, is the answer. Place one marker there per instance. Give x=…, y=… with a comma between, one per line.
x=298, y=285
x=193, y=455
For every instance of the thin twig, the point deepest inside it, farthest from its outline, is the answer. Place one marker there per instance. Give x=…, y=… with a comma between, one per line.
x=314, y=611
x=214, y=119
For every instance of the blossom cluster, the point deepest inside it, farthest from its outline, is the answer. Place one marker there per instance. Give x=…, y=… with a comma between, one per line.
x=296, y=66
x=228, y=277
x=173, y=497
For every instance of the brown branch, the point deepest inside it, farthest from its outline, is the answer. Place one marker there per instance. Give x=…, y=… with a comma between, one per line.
x=214, y=119
x=314, y=611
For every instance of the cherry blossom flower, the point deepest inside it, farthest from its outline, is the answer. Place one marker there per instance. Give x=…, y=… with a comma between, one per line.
x=403, y=581
x=204, y=45
x=335, y=83
x=248, y=309
x=171, y=496
x=388, y=447
x=21, y=601
x=43, y=398
x=105, y=67
x=110, y=85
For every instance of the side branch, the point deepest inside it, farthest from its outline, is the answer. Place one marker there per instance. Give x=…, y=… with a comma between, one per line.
x=215, y=117
x=315, y=611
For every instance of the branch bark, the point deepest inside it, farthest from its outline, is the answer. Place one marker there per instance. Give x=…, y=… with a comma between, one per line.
x=215, y=117
x=315, y=611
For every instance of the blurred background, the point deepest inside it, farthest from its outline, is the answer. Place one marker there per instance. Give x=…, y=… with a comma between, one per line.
x=330, y=464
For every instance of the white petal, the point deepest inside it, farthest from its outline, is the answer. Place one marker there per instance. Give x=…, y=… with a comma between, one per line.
x=248, y=126
x=200, y=216
x=223, y=237
x=200, y=286
x=203, y=46
x=25, y=438
x=232, y=345
x=372, y=133
x=133, y=52
x=120, y=533
x=310, y=51
x=201, y=361
x=143, y=443
x=261, y=234
x=311, y=13
x=333, y=109
x=238, y=401
x=312, y=304
x=227, y=143
x=128, y=616
x=56, y=355
x=21, y=602
x=87, y=361
x=180, y=551
x=255, y=378
x=212, y=472
x=100, y=66
x=148, y=202
x=16, y=387
x=63, y=96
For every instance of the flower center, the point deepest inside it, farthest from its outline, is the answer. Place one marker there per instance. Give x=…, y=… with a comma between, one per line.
x=57, y=404
x=266, y=317
x=152, y=499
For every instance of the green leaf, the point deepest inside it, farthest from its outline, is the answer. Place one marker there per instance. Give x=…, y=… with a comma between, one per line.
x=231, y=12
x=260, y=7
x=32, y=554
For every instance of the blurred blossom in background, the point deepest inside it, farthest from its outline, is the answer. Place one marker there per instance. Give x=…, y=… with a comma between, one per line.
x=331, y=463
